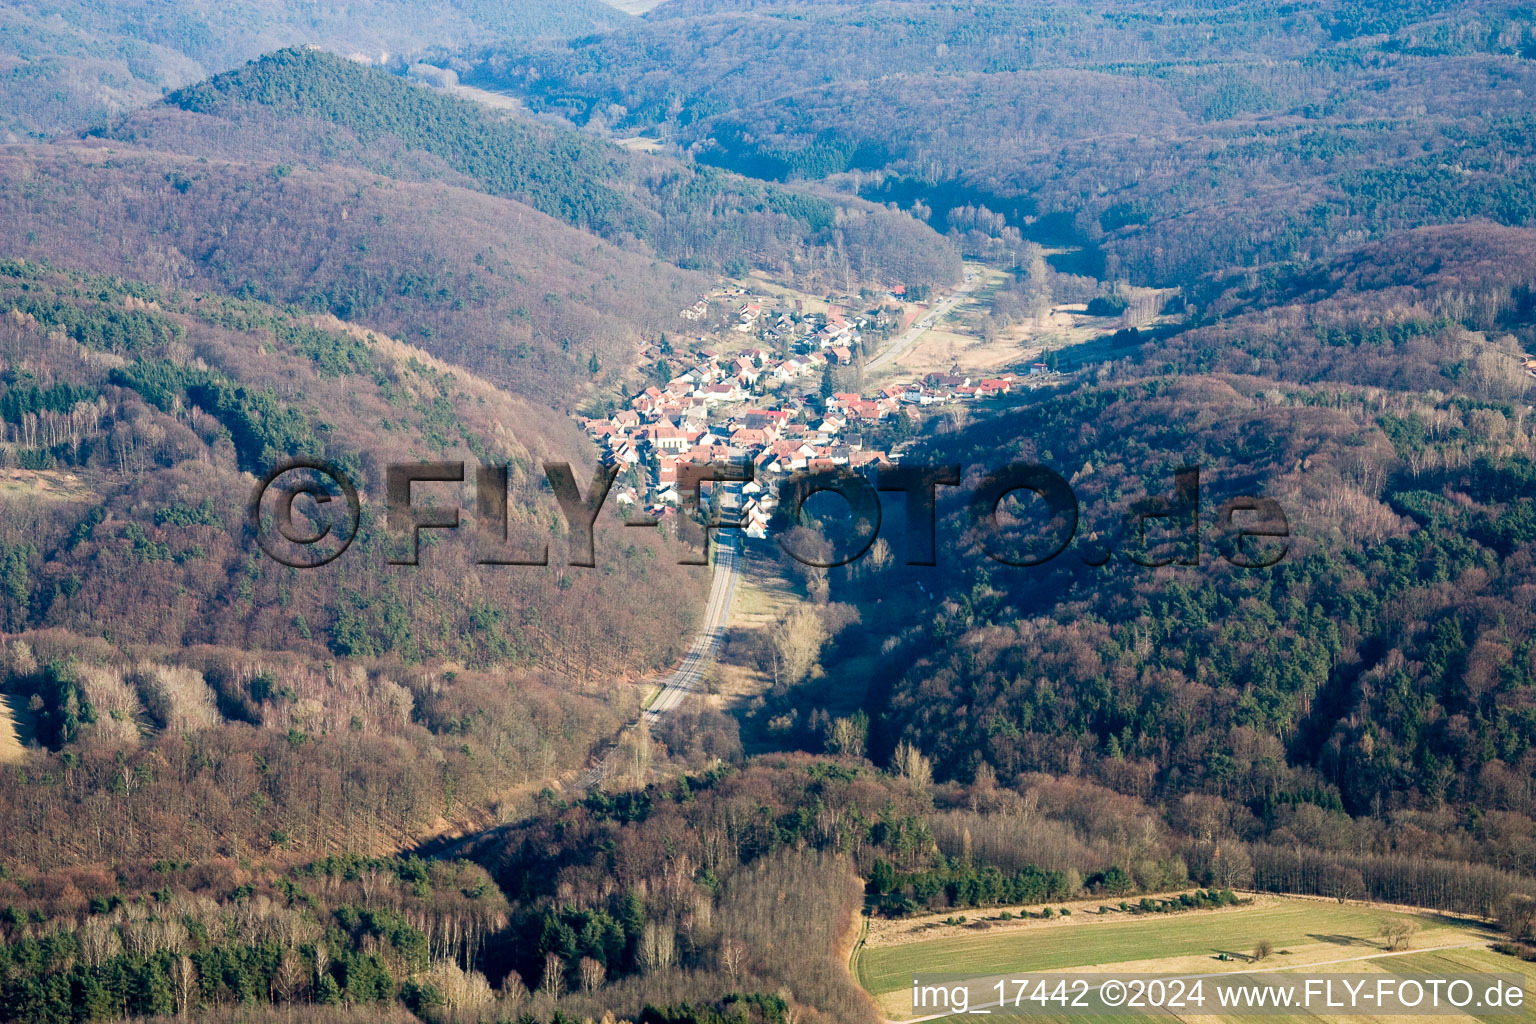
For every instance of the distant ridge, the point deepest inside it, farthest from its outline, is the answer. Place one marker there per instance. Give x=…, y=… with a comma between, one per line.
x=61, y=74
x=317, y=107
x=635, y=6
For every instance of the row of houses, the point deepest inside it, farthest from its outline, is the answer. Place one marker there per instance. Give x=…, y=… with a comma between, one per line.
x=715, y=411
x=803, y=334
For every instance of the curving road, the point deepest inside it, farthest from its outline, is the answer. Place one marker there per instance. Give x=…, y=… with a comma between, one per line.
x=676, y=687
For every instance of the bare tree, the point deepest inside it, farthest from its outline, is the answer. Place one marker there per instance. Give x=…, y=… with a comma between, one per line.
x=554, y=975
x=846, y=736
x=1343, y=883
x=732, y=955
x=184, y=978
x=1397, y=933
x=797, y=644
x=592, y=973
x=911, y=765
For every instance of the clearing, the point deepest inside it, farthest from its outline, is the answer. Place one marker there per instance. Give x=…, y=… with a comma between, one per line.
x=48, y=484
x=1305, y=933
x=12, y=751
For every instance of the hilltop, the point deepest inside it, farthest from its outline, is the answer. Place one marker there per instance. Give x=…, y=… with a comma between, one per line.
x=537, y=255
x=65, y=66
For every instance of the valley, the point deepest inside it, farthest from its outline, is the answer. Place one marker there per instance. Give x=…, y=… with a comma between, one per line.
x=1286, y=249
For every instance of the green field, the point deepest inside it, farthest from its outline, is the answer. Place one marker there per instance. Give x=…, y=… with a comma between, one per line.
x=1307, y=935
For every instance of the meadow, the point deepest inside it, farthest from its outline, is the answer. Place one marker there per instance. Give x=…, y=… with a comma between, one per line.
x=1309, y=935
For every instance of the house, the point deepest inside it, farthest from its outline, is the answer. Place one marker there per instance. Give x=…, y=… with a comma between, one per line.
x=837, y=454
x=727, y=391
x=840, y=355
x=665, y=437
x=830, y=425
x=763, y=419
x=789, y=369
x=754, y=520
x=745, y=371
x=785, y=455
x=861, y=459
x=993, y=387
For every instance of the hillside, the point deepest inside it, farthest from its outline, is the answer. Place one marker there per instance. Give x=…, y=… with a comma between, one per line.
x=166, y=402
x=140, y=616
x=1375, y=688
x=535, y=255
x=487, y=283
x=313, y=107
x=1285, y=249
x=1141, y=135
x=65, y=66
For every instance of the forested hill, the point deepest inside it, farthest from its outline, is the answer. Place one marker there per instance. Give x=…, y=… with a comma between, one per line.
x=321, y=108
x=485, y=283
x=1142, y=133
x=1375, y=690
x=66, y=65
x=143, y=413
x=563, y=174
x=358, y=704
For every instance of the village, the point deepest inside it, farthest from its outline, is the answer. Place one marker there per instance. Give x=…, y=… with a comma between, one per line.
x=767, y=385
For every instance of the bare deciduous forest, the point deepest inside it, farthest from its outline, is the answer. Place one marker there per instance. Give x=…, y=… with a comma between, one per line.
x=242, y=791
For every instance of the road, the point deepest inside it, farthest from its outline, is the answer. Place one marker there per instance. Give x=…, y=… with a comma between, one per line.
x=922, y=324
x=676, y=687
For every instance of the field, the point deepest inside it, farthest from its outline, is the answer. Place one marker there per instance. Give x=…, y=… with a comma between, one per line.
x=1306, y=934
